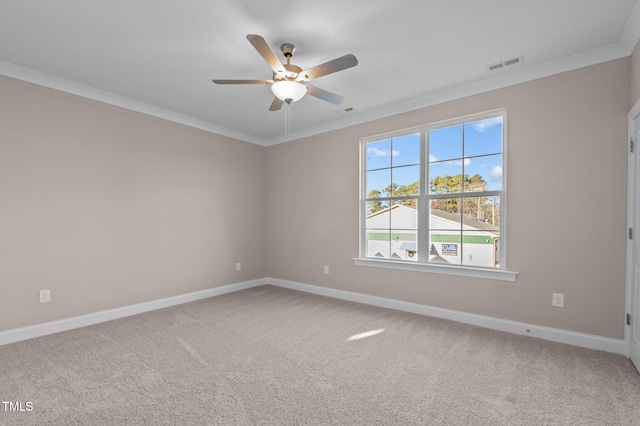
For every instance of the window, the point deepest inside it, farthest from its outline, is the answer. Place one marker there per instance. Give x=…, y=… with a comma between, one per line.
x=435, y=196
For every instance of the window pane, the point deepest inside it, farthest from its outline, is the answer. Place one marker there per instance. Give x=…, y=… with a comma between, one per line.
x=377, y=229
x=374, y=207
x=378, y=182
x=378, y=244
x=445, y=213
x=480, y=249
x=445, y=228
x=406, y=150
x=481, y=231
x=404, y=225
x=404, y=245
x=379, y=154
x=404, y=215
x=483, y=137
x=406, y=181
x=482, y=213
x=445, y=177
x=445, y=143
x=445, y=247
x=483, y=173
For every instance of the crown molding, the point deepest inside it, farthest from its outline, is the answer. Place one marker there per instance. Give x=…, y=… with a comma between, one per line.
x=31, y=76
x=505, y=78
x=521, y=74
x=631, y=35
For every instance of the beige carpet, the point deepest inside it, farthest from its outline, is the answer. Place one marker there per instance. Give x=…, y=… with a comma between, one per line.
x=271, y=356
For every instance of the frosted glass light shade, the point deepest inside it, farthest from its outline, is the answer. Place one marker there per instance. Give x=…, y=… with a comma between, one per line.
x=288, y=91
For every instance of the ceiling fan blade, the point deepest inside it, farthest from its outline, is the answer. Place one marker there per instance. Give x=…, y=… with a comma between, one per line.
x=266, y=52
x=276, y=104
x=324, y=95
x=338, y=64
x=218, y=81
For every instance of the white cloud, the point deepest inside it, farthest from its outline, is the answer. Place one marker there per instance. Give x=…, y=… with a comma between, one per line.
x=483, y=125
x=383, y=152
x=432, y=158
x=467, y=161
x=496, y=173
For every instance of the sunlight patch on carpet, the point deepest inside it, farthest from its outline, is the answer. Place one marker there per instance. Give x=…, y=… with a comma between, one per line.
x=365, y=334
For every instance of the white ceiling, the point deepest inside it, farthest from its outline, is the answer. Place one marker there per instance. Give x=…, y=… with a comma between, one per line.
x=159, y=56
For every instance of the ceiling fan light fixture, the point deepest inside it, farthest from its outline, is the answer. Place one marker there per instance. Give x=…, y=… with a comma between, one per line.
x=288, y=91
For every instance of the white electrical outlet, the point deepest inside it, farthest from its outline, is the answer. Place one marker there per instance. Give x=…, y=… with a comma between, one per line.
x=238, y=266
x=326, y=270
x=558, y=300
x=45, y=296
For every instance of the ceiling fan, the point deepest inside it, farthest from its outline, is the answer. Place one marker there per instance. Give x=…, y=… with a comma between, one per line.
x=290, y=82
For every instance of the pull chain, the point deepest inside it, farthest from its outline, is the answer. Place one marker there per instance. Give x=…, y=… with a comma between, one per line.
x=287, y=120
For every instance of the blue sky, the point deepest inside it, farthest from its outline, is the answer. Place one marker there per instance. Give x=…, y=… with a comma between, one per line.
x=482, y=138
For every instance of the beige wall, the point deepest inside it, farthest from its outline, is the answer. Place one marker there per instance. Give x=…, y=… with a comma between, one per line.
x=566, y=206
x=635, y=76
x=108, y=207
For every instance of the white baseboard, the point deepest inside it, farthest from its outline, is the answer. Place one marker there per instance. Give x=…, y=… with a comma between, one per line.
x=547, y=333
x=29, y=332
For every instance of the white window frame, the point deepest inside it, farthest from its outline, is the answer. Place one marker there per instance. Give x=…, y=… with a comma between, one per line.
x=422, y=264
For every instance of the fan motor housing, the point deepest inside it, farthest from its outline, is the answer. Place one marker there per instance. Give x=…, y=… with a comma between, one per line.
x=292, y=73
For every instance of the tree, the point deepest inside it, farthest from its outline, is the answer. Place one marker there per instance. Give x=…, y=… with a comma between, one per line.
x=477, y=208
x=446, y=184
x=481, y=209
x=404, y=191
x=374, y=206
x=393, y=190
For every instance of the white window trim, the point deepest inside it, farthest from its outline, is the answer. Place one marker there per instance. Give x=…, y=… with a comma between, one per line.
x=501, y=274
x=463, y=271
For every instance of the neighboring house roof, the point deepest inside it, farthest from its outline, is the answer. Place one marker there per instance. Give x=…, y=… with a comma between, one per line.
x=409, y=246
x=386, y=210
x=453, y=218
x=404, y=217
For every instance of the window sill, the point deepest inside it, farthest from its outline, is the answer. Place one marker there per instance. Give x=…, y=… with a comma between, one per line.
x=463, y=271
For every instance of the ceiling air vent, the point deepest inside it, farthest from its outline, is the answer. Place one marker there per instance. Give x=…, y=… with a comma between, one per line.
x=505, y=63
x=346, y=110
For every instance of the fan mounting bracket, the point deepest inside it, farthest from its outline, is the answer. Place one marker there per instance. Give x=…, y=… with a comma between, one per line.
x=288, y=49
